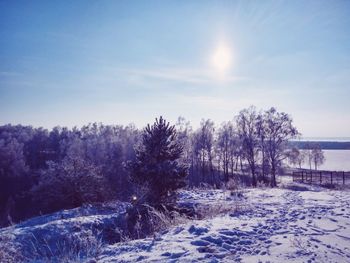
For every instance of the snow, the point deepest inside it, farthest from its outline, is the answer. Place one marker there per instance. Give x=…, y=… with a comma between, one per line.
x=279, y=225
x=309, y=224
x=50, y=234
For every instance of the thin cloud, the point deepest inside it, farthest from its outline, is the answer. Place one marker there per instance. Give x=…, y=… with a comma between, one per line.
x=216, y=102
x=192, y=76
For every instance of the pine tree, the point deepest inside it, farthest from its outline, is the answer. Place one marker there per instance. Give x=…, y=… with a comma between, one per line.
x=157, y=166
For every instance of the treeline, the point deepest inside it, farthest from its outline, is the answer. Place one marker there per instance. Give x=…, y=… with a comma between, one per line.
x=313, y=155
x=43, y=171
x=325, y=145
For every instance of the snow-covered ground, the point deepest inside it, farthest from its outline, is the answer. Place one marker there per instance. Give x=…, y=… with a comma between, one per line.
x=74, y=233
x=306, y=224
x=269, y=225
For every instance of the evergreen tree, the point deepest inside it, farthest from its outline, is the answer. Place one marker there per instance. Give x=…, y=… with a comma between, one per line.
x=157, y=166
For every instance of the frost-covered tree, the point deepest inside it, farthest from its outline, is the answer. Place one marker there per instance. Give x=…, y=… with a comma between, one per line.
x=293, y=155
x=261, y=133
x=225, y=145
x=78, y=160
x=157, y=166
x=203, y=144
x=185, y=137
x=247, y=131
x=279, y=130
x=308, y=155
x=67, y=184
x=301, y=158
x=32, y=157
x=296, y=157
x=13, y=171
x=317, y=156
x=37, y=149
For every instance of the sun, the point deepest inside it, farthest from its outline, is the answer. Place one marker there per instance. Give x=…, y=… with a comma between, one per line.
x=222, y=58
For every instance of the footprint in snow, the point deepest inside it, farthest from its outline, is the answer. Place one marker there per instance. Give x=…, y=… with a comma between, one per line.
x=197, y=230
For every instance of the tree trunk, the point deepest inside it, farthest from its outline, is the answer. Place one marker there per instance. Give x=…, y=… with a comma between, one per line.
x=263, y=163
x=273, y=171
x=203, y=168
x=253, y=174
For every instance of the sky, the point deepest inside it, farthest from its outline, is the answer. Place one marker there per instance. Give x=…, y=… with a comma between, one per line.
x=70, y=63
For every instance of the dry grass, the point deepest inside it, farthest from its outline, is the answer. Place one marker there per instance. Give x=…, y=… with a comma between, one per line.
x=232, y=185
x=162, y=220
x=79, y=247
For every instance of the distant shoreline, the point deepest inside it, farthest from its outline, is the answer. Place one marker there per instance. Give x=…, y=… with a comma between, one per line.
x=325, y=139
x=325, y=145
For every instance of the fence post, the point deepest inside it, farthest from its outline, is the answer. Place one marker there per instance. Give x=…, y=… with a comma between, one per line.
x=311, y=177
x=343, y=177
x=331, y=177
x=337, y=177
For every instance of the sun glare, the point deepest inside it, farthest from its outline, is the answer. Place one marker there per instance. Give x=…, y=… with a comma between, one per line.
x=222, y=58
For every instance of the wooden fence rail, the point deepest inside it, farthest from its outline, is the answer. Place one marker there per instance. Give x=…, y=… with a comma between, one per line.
x=321, y=177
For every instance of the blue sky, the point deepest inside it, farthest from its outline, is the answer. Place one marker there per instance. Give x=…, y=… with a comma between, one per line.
x=73, y=62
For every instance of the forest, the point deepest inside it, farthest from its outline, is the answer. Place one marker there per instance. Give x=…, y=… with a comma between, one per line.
x=42, y=171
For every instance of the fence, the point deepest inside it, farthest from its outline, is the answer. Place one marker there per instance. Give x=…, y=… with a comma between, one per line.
x=321, y=177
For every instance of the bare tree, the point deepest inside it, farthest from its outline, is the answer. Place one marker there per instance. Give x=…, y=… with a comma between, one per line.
x=279, y=130
x=296, y=157
x=308, y=154
x=317, y=156
x=293, y=155
x=261, y=132
x=225, y=147
x=203, y=146
x=184, y=135
x=301, y=158
x=247, y=132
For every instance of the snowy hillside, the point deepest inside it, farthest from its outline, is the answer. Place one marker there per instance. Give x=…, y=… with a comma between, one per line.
x=301, y=225
x=279, y=225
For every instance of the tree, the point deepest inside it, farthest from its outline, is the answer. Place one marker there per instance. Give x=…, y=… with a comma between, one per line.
x=317, y=156
x=279, y=130
x=226, y=147
x=69, y=183
x=261, y=133
x=247, y=132
x=203, y=148
x=63, y=167
x=296, y=157
x=157, y=165
x=308, y=154
x=13, y=171
x=184, y=136
x=301, y=158
x=293, y=156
